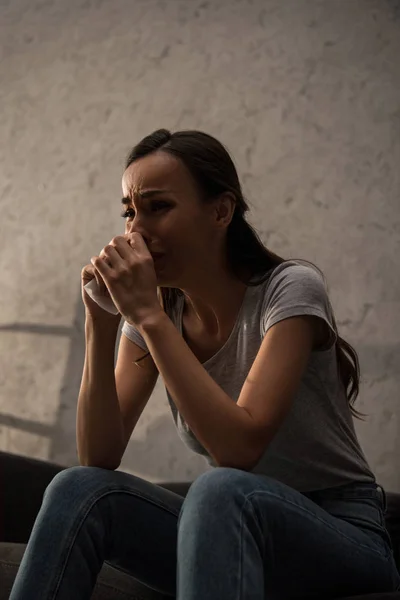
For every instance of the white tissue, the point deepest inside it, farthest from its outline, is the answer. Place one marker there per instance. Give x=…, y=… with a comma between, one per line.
x=104, y=302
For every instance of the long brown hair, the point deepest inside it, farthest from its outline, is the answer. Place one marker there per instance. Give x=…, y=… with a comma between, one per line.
x=213, y=170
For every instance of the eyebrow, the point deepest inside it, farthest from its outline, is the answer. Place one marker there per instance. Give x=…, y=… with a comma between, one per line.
x=145, y=194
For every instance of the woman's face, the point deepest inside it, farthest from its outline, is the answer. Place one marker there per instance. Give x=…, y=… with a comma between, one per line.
x=161, y=202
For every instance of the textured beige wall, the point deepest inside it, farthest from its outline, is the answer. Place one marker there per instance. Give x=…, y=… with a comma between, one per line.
x=305, y=93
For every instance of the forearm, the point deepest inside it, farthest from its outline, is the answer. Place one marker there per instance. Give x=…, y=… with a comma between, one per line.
x=222, y=427
x=99, y=425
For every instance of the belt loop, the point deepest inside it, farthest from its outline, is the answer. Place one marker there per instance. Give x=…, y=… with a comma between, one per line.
x=384, y=499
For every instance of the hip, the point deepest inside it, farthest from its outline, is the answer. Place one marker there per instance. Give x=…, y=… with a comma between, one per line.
x=364, y=505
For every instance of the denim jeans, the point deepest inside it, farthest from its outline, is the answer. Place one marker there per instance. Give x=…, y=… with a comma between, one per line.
x=236, y=536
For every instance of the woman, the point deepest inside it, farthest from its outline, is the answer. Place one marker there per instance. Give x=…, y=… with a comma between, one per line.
x=259, y=382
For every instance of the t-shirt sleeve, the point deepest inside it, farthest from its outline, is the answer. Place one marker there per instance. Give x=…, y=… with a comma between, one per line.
x=298, y=290
x=133, y=334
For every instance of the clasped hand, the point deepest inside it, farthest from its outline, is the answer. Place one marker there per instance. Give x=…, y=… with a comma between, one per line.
x=127, y=269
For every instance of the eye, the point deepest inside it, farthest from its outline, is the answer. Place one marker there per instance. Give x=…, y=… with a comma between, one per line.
x=128, y=213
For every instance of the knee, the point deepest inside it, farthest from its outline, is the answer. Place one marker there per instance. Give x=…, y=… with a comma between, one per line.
x=225, y=492
x=73, y=483
x=215, y=500
x=215, y=490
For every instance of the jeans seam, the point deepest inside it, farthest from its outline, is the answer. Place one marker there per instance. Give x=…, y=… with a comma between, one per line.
x=246, y=501
x=305, y=510
x=240, y=579
x=89, y=508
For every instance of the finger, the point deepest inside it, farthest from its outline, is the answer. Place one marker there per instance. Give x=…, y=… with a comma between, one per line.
x=122, y=246
x=135, y=238
x=103, y=255
x=101, y=265
x=137, y=242
x=100, y=282
x=87, y=273
x=111, y=256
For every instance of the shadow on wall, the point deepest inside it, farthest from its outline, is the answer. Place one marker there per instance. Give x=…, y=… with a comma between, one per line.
x=155, y=451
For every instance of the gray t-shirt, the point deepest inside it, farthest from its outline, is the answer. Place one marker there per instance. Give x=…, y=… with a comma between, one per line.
x=316, y=446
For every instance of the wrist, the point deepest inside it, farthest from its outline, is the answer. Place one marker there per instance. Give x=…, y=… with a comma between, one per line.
x=151, y=321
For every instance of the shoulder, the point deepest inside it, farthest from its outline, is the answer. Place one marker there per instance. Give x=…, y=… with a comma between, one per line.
x=297, y=289
x=295, y=278
x=296, y=270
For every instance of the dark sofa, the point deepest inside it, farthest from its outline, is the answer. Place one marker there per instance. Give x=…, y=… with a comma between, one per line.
x=19, y=474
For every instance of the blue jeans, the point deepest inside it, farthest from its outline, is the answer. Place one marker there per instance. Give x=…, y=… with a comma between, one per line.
x=236, y=536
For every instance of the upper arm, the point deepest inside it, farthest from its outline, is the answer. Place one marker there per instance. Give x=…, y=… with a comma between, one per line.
x=275, y=376
x=134, y=383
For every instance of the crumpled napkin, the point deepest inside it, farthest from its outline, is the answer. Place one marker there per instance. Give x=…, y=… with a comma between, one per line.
x=105, y=302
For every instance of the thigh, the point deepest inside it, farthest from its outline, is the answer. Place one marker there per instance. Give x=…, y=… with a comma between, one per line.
x=144, y=531
x=297, y=547
x=326, y=543
x=137, y=520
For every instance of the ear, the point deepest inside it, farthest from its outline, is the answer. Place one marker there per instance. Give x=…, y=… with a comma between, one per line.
x=225, y=206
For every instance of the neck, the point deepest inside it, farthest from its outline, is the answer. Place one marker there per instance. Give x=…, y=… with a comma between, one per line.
x=212, y=307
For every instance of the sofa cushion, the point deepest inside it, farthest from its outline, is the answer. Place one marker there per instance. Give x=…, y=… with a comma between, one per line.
x=22, y=477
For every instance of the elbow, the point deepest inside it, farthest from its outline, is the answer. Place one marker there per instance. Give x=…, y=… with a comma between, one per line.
x=109, y=465
x=237, y=464
x=110, y=461
x=245, y=460
x=244, y=463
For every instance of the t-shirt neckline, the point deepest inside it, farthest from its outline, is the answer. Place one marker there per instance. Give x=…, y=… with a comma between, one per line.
x=234, y=329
